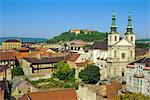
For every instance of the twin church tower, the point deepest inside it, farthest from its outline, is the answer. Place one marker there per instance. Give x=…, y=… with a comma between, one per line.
x=121, y=50
x=114, y=36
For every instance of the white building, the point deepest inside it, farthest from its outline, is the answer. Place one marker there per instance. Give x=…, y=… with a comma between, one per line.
x=116, y=52
x=138, y=76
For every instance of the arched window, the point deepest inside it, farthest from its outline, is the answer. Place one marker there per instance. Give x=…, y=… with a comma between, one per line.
x=115, y=38
x=110, y=38
x=131, y=38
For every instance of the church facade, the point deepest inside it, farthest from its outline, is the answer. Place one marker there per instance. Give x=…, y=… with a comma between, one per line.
x=119, y=51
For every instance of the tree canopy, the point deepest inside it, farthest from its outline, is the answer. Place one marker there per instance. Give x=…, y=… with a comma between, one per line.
x=17, y=71
x=132, y=96
x=90, y=75
x=67, y=36
x=64, y=72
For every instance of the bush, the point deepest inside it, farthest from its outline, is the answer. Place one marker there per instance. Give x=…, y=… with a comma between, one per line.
x=64, y=72
x=17, y=71
x=90, y=75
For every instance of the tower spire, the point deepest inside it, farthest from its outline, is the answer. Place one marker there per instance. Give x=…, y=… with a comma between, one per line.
x=129, y=26
x=113, y=25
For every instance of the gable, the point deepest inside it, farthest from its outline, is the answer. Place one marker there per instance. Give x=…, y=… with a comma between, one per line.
x=123, y=42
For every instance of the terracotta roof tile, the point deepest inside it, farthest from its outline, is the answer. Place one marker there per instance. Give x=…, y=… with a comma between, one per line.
x=44, y=60
x=7, y=56
x=72, y=57
x=66, y=94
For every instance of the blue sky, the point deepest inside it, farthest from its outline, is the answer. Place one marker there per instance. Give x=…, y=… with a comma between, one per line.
x=48, y=18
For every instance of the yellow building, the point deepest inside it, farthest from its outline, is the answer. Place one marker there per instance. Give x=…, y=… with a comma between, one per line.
x=11, y=44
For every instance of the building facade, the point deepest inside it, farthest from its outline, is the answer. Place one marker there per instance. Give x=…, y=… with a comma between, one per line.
x=117, y=53
x=137, y=76
x=121, y=51
x=11, y=44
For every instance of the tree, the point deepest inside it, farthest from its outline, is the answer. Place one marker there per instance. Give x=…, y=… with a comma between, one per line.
x=64, y=72
x=132, y=96
x=67, y=36
x=17, y=71
x=90, y=75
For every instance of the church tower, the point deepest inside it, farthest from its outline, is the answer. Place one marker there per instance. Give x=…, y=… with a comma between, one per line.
x=113, y=36
x=129, y=35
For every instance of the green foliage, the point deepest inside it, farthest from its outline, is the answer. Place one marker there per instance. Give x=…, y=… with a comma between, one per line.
x=71, y=85
x=17, y=71
x=133, y=96
x=142, y=45
x=64, y=72
x=90, y=75
x=51, y=83
x=67, y=36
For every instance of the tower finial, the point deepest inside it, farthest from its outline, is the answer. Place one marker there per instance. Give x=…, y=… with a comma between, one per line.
x=129, y=20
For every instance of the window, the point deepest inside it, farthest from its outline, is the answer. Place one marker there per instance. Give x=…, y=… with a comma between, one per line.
x=19, y=91
x=115, y=54
x=141, y=82
x=131, y=38
x=110, y=38
x=130, y=53
x=114, y=71
x=115, y=38
x=123, y=55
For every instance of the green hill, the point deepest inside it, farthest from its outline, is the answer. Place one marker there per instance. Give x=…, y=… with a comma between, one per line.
x=90, y=37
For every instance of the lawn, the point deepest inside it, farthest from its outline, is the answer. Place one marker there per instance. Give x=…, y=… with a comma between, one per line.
x=45, y=84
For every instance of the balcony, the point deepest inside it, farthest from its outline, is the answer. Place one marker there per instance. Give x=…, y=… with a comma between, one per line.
x=139, y=75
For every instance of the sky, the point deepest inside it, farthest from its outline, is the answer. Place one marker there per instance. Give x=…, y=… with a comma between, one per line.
x=49, y=18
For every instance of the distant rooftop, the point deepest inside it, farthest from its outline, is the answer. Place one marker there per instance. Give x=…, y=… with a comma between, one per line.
x=144, y=60
x=12, y=40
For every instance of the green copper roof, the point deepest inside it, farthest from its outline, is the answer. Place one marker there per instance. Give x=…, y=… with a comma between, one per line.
x=129, y=21
x=113, y=25
x=129, y=26
x=113, y=20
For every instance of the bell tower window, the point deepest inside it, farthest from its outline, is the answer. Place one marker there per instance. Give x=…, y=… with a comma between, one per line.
x=131, y=38
x=110, y=38
x=115, y=38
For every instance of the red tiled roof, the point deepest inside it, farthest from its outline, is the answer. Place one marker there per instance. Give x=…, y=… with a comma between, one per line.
x=83, y=64
x=66, y=94
x=78, y=42
x=44, y=60
x=23, y=48
x=72, y=57
x=7, y=56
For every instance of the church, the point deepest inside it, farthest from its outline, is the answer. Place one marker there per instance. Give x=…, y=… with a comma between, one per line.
x=113, y=54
